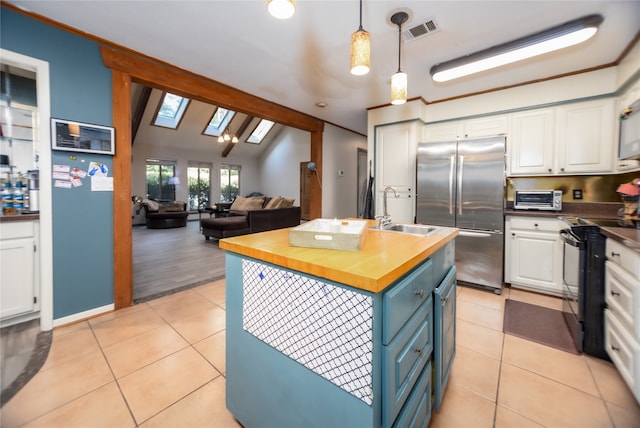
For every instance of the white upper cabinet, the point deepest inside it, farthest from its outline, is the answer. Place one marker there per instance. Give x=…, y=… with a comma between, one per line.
x=471, y=128
x=486, y=126
x=531, y=142
x=448, y=131
x=575, y=138
x=586, y=137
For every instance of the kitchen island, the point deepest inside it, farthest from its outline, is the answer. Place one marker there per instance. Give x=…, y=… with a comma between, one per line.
x=319, y=337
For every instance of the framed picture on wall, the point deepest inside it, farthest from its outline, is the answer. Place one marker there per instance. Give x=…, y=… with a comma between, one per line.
x=82, y=137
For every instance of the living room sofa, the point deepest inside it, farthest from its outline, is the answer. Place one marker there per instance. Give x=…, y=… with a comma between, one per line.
x=164, y=215
x=252, y=215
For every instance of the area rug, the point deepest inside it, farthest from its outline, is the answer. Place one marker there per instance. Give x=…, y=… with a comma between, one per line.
x=538, y=324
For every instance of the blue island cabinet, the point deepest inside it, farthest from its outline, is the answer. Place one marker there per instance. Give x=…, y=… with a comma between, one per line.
x=303, y=351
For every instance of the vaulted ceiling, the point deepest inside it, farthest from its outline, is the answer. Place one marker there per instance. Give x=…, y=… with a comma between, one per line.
x=304, y=61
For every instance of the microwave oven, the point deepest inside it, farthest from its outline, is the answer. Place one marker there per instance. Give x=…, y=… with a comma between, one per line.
x=542, y=200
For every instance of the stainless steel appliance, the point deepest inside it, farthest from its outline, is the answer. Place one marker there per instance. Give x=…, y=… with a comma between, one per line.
x=461, y=184
x=583, y=281
x=541, y=200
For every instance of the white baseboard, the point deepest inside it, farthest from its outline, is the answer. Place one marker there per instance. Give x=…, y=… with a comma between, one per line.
x=83, y=315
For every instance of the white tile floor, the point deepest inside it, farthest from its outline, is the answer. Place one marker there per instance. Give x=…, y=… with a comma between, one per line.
x=162, y=364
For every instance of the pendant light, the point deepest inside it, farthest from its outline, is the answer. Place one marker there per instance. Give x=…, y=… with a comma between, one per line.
x=360, y=50
x=281, y=9
x=399, y=80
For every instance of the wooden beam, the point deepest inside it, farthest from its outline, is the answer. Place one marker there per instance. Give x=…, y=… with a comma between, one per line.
x=137, y=116
x=187, y=84
x=122, y=222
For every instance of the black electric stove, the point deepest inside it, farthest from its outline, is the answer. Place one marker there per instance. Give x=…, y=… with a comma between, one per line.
x=583, y=284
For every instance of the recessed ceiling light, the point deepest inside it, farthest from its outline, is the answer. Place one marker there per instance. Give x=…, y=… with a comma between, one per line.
x=321, y=104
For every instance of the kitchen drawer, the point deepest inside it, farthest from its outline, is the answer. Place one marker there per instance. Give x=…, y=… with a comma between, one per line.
x=404, y=359
x=535, y=223
x=624, y=352
x=401, y=301
x=416, y=412
x=17, y=229
x=623, y=256
x=622, y=294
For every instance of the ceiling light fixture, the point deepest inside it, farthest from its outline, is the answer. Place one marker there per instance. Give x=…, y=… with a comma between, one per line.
x=360, y=50
x=281, y=9
x=399, y=80
x=568, y=34
x=227, y=136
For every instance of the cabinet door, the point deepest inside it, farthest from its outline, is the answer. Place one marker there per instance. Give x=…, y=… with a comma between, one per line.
x=445, y=333
x=586, y=137
x=535, y=260
x=531, y=145
x=16, y=276
x=440, y=132
x=396, y=167
x=486, y=126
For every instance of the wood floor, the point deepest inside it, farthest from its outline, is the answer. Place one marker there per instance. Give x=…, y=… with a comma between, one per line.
x=167, y=260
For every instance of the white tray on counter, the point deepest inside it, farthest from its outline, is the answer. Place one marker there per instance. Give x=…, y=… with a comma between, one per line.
x=334, y=234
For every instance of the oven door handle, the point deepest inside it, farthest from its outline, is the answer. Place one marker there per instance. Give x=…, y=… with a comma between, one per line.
x=571, y=239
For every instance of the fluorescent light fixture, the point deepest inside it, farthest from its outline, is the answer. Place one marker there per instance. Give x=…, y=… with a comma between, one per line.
x=281, y=9
x=565, y=35
x=360, y=50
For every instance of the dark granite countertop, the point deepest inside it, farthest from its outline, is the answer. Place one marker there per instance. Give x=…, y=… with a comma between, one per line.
x=584, y=210
x=20, y=217
x=625, y=235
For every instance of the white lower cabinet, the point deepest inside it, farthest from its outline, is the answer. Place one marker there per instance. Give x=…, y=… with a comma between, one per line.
x=533, y=254
x=622, y=316
x=18, y=263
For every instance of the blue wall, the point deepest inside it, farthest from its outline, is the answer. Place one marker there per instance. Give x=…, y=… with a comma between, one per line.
x=82, y=219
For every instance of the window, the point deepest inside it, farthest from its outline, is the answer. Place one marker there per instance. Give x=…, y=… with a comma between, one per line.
x=229, y=182
x=170, y=110
x=199, y=178
x=158, y=174
x=260, y=131
x=219, y=121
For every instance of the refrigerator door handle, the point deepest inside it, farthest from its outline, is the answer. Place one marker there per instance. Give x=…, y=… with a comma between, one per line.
x=460, y=168
x=474, y=234
x=452, y=163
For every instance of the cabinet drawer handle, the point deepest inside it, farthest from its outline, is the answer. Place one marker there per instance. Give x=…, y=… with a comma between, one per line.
x=614, y=254
x=419, y=293
x=614, y=348
x=419, y=350
x=614, y=293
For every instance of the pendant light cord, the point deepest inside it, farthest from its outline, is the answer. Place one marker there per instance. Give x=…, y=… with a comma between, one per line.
x=399, y=45
x=360, y=28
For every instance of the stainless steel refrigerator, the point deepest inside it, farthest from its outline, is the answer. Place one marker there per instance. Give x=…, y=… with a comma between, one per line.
x=461, y=184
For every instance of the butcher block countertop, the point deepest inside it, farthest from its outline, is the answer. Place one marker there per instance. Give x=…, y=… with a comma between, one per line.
x=383, y=258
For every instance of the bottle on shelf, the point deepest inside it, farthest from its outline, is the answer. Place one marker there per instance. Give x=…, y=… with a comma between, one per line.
x=18, y=197
x=7, y=199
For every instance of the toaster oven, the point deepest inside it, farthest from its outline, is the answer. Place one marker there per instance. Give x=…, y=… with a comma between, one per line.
x=542, y=200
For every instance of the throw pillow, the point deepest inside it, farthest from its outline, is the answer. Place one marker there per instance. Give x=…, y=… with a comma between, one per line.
x=273, y=202
x=151, y=205
x=286, y=203
x=247, y=204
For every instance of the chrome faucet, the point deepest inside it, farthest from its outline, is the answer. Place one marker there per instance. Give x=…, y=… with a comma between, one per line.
x=385, y=220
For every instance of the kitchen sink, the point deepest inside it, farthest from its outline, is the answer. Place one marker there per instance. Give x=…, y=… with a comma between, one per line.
x=415, y=229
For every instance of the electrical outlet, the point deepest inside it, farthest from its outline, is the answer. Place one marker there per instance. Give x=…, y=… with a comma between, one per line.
x=577, y=193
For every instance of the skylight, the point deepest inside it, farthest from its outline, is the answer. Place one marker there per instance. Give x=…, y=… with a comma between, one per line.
x=219, y=121
x=170, y=111
x=260, y=131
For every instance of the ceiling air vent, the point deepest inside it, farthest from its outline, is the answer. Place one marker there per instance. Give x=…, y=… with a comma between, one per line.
x=419, y=31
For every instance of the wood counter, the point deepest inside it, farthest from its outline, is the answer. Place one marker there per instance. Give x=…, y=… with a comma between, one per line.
x=384, y=257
